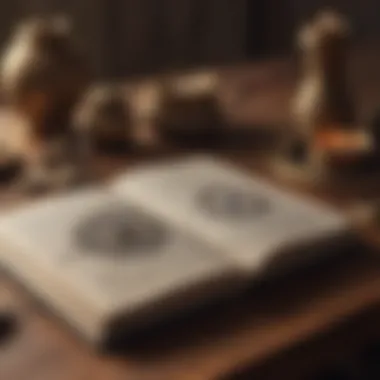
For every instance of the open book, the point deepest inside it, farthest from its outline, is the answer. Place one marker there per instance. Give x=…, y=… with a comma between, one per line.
x=160, y=239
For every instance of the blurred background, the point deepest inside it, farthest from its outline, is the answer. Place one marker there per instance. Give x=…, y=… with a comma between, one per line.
x=136, y=37
x=142, y=36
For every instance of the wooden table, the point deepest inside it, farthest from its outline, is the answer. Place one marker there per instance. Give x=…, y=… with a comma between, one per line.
x=252, y=328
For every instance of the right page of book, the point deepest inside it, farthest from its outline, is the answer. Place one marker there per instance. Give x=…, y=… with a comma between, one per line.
x=245, y=217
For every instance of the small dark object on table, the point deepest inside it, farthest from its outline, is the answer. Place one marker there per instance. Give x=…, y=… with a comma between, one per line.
x=189, y=113
x=296, y=150
x=104, y=119
x=7, y=326
x=10, y=170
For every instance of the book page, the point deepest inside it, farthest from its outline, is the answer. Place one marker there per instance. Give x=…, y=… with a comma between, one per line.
x=113, y=252
x=244, y=217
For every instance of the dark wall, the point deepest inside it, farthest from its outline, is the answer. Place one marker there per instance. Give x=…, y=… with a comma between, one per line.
x=125, y=37
x=89, y=20
x=154, y=35
x=9, y=12
x=137, y=36
x=273, y=24
x=364, y=14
